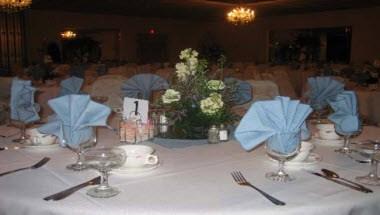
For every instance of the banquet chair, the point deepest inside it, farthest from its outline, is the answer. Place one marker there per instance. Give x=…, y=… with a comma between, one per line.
x=109, y=86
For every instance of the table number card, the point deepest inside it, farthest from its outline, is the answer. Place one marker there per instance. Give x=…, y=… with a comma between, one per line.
x=132, y=105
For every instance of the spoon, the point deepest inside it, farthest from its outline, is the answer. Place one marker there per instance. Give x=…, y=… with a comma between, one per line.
x=332, y=174
x=35, y=166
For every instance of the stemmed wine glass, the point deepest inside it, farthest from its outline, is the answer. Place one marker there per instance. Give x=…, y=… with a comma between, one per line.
x=346, y=148
x=282, y=147
x=104, y=160
x=79, y=150
x=372, y=149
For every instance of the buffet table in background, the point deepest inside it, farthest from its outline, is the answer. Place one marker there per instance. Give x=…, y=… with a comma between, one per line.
x=190, y=180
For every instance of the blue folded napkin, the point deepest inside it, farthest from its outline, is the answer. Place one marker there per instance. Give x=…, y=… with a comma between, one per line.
x=75, y=117
x=71, y=85
x=346, y=115
x=243, y=93
x=142, y=85
x=23, y=107
x=322, y=89
x=266, y=119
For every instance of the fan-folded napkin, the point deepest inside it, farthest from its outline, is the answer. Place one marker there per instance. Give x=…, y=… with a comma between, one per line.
x=74, y=119
x=345, y=116
x=265, y=119
x=22, y=103
x=322, y=89
x=71, y=85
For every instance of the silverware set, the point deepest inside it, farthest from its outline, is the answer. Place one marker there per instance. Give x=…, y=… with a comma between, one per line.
x=35, y=166
x=65, y=193
x=334, y=177
x=239, y=179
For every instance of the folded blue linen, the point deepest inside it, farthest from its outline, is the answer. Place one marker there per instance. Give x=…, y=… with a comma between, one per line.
x=22, y=105
x=346, y=115
x=322, y=89
x=76, y=115
x=243, y=93
x=267, y=118
x=71, y=85
x=142, y=85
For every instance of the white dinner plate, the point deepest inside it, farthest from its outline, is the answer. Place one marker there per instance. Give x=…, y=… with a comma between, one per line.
x=128, y=170
x=323, y=142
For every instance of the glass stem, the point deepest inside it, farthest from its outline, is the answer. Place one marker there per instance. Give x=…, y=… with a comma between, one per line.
x=346, y=146
x=281, y=169
x=104, y=182
x=374, y=167
x=23, y=129
x=80, y=155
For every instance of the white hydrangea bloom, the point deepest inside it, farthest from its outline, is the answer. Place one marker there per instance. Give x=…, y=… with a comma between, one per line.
x=215, y=85
x=212, y=104
x=182, y=71
x=171, y=96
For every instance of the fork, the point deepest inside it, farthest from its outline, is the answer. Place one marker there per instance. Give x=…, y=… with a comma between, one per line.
x=239, y=179
x=35, y=166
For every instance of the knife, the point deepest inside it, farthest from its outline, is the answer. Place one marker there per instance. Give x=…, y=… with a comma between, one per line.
x=339, y=182
x=65, y=193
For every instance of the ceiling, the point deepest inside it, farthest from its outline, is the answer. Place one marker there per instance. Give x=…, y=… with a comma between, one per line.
x=198, y=9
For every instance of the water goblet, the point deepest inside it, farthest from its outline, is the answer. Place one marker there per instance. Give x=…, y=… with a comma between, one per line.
x=282, y=147
x=79, y=150
x=371, y=149
x=346, y=148
x=22, y=138
x=104, y=160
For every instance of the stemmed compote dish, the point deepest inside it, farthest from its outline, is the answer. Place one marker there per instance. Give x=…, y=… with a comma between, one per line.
x=346, y=148
x=282, y=147
x=79, y=150
x=371, y=149
x=104, y=160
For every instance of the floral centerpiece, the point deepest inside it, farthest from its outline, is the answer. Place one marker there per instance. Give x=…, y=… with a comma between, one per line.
x=194, y=102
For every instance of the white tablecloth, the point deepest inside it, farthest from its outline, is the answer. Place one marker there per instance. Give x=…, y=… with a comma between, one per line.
x=192, y=180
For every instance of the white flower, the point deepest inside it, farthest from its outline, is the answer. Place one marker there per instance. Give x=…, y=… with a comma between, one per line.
x=171, y=96
x=213, y=104
x=188, y=53
x=215, y=85
x=182, y=71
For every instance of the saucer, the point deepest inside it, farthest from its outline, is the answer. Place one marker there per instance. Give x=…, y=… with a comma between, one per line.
x=312, y=159
x=334, y=143
x=128, y=170
x=29, y=145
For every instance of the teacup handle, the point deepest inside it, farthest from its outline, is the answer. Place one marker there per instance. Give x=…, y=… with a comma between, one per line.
x=151, y=159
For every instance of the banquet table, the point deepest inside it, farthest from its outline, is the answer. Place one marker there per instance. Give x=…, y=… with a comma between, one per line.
x=189, y=180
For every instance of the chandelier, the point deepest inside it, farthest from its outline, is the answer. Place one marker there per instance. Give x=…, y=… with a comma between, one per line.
x=11, y=6
x=241, y=15
x=68, y=35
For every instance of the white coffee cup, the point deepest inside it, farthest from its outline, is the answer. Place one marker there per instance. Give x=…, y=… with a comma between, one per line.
x=139, y=156
x=37, y=138
x=327, y=132
x=305, y=150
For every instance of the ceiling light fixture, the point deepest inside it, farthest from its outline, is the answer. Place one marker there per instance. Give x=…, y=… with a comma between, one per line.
x=67, y=35
x=12, y=6
x=241, y=15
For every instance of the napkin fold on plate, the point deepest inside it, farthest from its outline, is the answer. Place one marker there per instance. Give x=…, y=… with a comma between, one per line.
x=346, y=115
x=243, y=93
x=266, y=119
x=75, y=117
x=322, y=89
x=142, y=85
x=71, y=85
x=22, y=105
